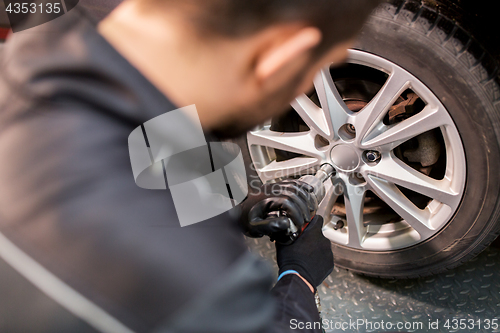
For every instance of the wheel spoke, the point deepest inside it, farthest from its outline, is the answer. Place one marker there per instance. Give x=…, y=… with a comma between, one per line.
x=313, y=116
x=392, y=196
x=331, y=196
x=288, y=168
x=354, y=197
x=331, y=102
x=299, y=143
x=428, y=119
x=373, y=113
x=391, y=169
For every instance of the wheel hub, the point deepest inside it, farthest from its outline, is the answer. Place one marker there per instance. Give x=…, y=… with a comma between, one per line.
x=344, y=157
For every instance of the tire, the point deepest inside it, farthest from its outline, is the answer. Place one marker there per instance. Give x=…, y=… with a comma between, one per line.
x=462, y=75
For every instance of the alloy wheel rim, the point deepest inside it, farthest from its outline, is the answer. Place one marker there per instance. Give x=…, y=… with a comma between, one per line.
x=361, y=147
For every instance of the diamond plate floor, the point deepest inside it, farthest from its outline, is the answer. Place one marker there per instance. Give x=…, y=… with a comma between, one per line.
x=466, y=299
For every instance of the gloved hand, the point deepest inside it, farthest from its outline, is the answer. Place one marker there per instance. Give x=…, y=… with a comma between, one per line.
x=291, y=196
x=311, y=254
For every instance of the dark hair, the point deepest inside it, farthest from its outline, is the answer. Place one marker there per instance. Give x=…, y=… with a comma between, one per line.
x=339, y=20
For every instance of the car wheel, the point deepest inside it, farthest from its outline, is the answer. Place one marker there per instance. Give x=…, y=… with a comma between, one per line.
x=411, y=125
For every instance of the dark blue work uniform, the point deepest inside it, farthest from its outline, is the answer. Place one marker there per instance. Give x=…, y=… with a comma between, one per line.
x=82, y=247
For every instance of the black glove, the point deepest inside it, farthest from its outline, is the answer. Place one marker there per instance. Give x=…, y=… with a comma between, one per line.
x=311, y=254
x=293, y=197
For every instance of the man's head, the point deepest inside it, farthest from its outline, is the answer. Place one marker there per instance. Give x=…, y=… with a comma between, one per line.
x=240, y=61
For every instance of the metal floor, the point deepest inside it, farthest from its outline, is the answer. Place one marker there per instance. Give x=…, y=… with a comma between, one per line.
x=465, y=299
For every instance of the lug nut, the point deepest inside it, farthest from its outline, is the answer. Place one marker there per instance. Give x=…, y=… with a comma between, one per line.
x=339, y=225
x=372, y=156
x=351, y=129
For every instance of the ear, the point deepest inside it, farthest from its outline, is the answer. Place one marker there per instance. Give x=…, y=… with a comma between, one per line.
x=283, y=53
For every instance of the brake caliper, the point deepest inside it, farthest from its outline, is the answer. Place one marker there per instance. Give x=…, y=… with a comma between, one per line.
x=425, y=148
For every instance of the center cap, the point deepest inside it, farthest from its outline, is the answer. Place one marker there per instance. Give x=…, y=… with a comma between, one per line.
x=344, y=157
